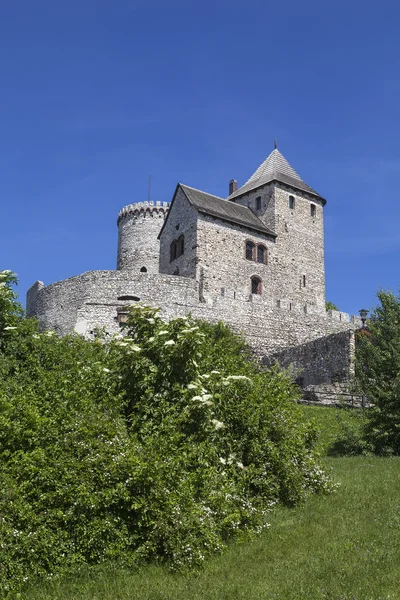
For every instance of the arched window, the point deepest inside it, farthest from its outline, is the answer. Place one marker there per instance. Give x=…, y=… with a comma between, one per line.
x=177, y=248
x=291, y=202
x=172, y=251
x=249, y=250
x=143, y=270
x=262, y=255
x=181, y=245
x=256, y=285
x=258, y=203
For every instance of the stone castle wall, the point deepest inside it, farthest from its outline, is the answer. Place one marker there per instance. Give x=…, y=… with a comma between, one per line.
x=323, y=361
x=181, y=221
x=138, y=228
x=83, y=302
x=299, y=247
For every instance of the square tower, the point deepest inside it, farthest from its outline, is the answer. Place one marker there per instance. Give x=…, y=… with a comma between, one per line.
x=294, y=212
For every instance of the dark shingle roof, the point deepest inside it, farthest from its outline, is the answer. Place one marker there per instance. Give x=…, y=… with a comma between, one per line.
x=222, y=209
x=275, y=168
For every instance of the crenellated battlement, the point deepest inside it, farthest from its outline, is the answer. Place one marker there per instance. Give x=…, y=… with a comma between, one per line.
x=144, y=208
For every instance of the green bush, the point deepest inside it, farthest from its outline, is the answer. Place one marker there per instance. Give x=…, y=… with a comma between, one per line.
x=159, y=445
x=350, y=440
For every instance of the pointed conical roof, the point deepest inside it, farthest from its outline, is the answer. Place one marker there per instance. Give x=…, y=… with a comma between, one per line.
x=274, y=168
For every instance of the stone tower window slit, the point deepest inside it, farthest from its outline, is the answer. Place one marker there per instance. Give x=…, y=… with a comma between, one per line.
x=291, y=202
x=313, y=210
x=258, y=203
x=130, y=298
x=256, y=285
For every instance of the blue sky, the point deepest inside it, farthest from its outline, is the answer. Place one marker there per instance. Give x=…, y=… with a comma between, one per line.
x=97, y=94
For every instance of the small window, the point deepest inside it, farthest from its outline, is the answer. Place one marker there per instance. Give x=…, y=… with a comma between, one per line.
x=143, y=270
x=303, y=279
x=172, y=251
x=258, y=203
x=313, y=209
x=249, y=251
x=256, y=285
x=181, y=245
x=262, y=255
x=291, y=202
x=132, y=298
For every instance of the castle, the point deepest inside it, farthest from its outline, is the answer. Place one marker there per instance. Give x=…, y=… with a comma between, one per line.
x=254, y=260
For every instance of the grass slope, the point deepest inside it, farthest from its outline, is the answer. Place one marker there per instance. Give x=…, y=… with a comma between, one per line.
x=346, y=546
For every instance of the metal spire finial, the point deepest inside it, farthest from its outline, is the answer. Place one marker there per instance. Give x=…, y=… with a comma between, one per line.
x=275, y=144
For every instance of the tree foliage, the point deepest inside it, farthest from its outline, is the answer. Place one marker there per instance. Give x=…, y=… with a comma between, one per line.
x=378, y=373
x=160, y=444
x=330, y=306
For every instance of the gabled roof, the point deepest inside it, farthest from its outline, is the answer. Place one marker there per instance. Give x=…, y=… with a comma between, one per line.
x=275, y=168
x=222, y=209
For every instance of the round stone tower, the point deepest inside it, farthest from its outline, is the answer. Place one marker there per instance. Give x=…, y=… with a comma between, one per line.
x=138, y=227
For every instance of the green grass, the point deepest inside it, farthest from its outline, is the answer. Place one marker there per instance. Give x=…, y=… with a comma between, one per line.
x=329, y=421
x=344, y=546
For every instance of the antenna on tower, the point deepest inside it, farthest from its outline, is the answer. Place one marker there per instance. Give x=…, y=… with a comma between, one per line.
x=149, y=189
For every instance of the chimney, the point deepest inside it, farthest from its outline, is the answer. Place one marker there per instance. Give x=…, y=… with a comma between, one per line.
x=232, y=186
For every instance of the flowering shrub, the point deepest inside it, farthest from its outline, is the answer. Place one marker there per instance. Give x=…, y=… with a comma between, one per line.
x=160, y=445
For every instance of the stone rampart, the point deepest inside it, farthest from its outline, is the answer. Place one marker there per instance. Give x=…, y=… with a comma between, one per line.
x=83, y=302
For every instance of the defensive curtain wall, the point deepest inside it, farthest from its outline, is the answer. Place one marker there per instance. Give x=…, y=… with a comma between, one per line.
x=319, y=346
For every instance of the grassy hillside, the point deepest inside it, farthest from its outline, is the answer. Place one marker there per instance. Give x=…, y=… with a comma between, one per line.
x=344, y=546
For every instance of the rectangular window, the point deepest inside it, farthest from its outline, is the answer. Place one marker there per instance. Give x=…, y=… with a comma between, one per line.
x=249, y=250
x=291, y=202
x=313, y=210
x=258, y=203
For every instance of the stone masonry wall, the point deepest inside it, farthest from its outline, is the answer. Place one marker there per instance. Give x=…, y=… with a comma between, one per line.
x=326, y=360
x=223, y=267
x=181, y=221
x=83, y=302
x=299, y=247
x=138, y=227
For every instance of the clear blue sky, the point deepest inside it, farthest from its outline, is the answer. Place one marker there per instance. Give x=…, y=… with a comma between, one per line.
x=97, y=94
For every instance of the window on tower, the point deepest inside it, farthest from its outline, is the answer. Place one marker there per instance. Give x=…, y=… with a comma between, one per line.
x=177, y=248
x=291, y=202
x=249, y=250
x=313, y=210
x=262, y=256
x=256, y=285
x=258, y=203
x=172, y=251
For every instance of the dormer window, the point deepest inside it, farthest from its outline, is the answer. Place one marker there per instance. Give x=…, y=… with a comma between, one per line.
x=291, y=202
x=258, y=203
